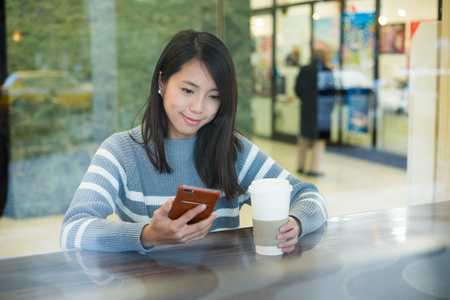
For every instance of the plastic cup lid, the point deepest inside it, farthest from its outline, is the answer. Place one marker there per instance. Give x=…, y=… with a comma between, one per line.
x=269, y=185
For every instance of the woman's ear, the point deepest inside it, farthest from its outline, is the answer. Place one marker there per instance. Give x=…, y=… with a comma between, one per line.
x=160, y=84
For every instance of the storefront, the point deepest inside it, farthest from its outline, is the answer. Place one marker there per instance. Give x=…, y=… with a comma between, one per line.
x=368, y=48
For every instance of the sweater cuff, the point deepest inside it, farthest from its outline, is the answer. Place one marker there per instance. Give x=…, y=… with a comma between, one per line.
x=141, y=249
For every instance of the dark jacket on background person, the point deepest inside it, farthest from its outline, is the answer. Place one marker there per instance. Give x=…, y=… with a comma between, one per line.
x=316, y=90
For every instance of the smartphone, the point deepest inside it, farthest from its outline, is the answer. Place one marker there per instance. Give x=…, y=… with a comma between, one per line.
x=189, y=197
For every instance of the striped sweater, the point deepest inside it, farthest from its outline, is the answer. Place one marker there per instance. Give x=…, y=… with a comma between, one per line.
x=122, y=180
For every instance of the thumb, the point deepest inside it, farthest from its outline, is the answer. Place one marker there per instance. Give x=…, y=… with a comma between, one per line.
x=166, y=207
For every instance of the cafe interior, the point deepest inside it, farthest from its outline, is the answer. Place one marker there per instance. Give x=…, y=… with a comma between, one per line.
x=75, y=72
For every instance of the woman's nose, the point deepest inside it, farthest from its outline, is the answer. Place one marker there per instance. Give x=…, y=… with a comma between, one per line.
x=197, y=104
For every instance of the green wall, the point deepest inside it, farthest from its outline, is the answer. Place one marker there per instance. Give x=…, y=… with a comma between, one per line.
x=112, y=46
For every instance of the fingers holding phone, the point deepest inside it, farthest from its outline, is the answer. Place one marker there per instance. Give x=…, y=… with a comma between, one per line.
x=190, y=215
x=194, y=206
x=190, y=197
x=196, y=231
x=182, y=220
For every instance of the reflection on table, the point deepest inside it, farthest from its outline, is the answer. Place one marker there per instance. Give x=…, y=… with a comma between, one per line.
x=388, y=254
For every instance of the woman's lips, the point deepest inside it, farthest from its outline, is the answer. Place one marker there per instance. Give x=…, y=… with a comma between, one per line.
x=190, y=121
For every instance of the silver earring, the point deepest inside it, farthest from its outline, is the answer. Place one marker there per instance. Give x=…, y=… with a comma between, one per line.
x=159, y=91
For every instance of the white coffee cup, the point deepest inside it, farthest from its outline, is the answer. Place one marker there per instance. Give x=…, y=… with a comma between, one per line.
x=270, y=198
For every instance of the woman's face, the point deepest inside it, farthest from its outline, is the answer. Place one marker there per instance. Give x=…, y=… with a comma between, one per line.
x=190, y=99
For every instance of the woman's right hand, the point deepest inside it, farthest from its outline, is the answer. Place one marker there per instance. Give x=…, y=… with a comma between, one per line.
x=164, y=231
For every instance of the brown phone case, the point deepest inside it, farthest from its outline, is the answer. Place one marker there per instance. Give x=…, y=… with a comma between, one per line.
x=189, y=197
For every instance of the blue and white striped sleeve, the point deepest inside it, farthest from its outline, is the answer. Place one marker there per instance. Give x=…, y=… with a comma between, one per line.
x=85, y=224
x=308, y=205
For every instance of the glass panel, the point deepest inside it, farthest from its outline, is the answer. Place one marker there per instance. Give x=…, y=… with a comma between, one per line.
x=326, y=34
x=356, y=77
x=261, y=61
x=293, y=50
x=408, y=95
x=327, y=40
x=398, y=21
x=236, y=15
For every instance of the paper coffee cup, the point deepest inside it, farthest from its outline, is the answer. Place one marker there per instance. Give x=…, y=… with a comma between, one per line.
x=270, y=198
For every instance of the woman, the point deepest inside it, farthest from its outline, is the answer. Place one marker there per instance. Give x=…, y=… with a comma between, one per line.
x=187, y=137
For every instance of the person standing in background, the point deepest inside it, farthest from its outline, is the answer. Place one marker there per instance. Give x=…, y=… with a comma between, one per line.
x=316, y=90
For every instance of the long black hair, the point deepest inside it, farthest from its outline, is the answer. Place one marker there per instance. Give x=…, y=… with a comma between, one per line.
x=216, y=147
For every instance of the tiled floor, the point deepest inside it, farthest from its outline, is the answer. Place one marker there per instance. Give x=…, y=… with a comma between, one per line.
x=350, y=186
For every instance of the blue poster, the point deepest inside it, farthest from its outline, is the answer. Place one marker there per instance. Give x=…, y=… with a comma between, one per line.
x=358, y=100
x=358, y=45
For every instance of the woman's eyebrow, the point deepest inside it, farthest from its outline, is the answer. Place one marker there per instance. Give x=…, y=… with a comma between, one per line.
x=190, y=83
x=195, y=85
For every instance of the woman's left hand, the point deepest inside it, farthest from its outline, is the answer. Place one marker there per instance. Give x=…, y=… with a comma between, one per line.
x=289, y=232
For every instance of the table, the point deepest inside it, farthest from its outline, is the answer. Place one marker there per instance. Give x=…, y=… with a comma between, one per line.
x=398, y=253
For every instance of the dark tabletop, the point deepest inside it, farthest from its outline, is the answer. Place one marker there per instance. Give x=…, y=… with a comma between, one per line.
x=388, y=254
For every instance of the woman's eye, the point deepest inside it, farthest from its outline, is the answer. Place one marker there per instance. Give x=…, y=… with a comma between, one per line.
x=187, y=91
x=215, y=97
